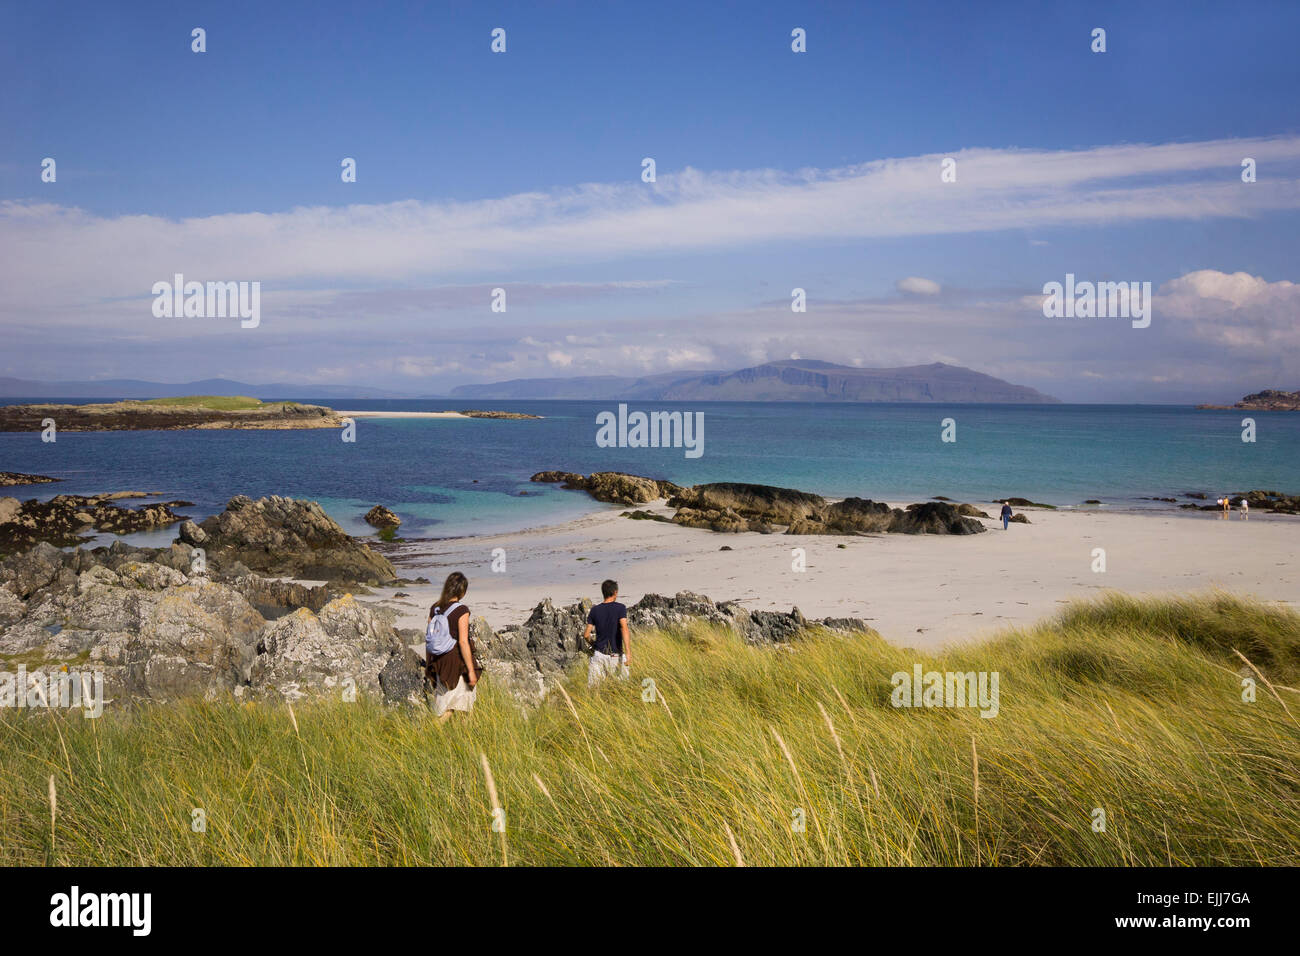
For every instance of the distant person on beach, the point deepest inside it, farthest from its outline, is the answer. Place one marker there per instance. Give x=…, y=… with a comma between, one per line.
x=609, y=620
x=1227, y=505
x=1245, y=509
x=1006, y=515
x=449, y=651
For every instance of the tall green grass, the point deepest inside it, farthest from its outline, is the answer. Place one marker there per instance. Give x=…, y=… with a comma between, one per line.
x=1132, y=707
x=219, y=403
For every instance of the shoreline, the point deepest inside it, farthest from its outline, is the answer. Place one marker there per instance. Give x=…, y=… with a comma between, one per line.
x=347, y=414
x=924, y=591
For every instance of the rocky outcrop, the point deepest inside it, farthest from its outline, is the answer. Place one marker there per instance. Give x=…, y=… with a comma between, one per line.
x=343, y=648
x=66, y=519
x=613, y=486
x=186, y=638
x=274, y=598
x=733, y=507
x=284, y=536
x=158, y=633
x=10, y=478
x=739, y=507
x=1273, y=501
x=381, y=517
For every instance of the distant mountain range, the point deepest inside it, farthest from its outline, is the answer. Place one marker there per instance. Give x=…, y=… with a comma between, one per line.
x=796, y=380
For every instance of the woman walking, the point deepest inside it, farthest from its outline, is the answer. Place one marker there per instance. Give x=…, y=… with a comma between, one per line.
x=449, y=650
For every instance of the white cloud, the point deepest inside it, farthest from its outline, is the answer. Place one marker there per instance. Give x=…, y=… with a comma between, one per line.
x=1237, y=310
x=559, y=359
x=915, y=285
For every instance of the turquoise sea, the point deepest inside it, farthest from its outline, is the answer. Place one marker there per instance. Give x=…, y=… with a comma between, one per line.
x=448, y=477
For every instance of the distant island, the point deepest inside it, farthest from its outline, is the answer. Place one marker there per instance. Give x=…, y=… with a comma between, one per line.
x=1269, y=400
x=116, y=389
x=202, y=411
x=795, y=380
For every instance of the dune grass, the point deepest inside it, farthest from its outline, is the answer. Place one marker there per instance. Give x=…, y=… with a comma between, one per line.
x=1132, y=707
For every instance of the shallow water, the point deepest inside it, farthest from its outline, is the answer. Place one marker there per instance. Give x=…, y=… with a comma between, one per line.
x=465, y=476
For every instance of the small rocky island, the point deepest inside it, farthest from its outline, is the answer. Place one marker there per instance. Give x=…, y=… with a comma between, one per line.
x=169, y=414
x=10, y=478
x=198, y=411
x=1269, y=400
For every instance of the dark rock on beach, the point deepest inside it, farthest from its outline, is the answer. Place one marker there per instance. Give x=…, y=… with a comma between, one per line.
x=612, y=486
x=381, y=517
x=1274, y=501
x=640, y=515
x=733, y=507
x=738, y=507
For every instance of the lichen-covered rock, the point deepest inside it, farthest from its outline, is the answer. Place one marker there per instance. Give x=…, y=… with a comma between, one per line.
x=196, y=639
x=274, y=598
x=402, y=678
x=346, y=646
x=11, y=608
x=150, y=575
x=191, y=533
x=32, y=570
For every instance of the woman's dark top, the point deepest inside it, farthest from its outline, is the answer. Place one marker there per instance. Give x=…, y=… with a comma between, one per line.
x=451, y=666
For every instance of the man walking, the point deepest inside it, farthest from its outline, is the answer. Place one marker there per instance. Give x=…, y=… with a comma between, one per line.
x=609, y=620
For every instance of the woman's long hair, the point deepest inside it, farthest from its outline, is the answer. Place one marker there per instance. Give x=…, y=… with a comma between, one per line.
x=453, y=589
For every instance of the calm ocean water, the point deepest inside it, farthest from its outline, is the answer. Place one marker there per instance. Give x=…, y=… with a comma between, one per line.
x=455, y=477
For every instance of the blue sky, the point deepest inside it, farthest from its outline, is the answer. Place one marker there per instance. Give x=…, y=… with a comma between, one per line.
x=522, y=170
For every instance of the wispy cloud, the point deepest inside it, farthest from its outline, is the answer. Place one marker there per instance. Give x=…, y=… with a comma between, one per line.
x=70, y=257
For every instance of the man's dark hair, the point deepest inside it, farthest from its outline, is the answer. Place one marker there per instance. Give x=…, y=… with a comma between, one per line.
x=608, y=588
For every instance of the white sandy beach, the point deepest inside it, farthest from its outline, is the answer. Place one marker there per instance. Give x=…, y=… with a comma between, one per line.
x=372, y=414
x=916, y=590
